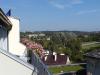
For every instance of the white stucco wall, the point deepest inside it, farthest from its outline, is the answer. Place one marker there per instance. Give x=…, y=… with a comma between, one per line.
x=15, y=47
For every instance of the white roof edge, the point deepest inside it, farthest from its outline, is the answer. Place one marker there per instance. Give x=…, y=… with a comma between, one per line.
x=13, y=17
x=17, y=59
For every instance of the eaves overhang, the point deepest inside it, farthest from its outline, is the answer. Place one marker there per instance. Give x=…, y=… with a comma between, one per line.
x=4, y=20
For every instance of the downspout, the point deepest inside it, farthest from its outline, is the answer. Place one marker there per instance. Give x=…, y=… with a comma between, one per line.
x=7, y=41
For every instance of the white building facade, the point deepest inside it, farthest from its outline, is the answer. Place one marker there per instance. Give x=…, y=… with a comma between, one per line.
x=10, y=38
x=11, y=49
x=9, y=63
x=15, y=47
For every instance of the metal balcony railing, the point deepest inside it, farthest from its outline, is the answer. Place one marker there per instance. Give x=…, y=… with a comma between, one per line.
x=41, y=67
x=38, y=67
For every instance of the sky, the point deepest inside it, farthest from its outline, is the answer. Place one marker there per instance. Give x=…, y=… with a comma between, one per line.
x=54, y=15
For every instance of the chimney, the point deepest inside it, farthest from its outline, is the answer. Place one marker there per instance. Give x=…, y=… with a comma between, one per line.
x=55, y=55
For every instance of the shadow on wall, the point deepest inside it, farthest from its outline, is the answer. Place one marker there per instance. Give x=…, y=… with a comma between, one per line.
x=3, y=38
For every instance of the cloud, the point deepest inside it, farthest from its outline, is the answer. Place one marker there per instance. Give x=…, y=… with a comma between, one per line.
x=62, y=4
x=76, y=2
x=86, y=12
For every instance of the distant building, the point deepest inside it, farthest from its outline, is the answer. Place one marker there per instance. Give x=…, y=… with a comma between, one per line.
x=48, y=38
x=34, y=35
x=41, y=34
x=93, y=63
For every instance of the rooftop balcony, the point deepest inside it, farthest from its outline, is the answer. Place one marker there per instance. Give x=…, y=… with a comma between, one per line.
x=13, y=65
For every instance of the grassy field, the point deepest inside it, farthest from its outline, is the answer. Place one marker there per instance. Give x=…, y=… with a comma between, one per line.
x=88, y=45
x=60, y=69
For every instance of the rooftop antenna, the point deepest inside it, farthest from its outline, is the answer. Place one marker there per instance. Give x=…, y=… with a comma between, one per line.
x=9, y=12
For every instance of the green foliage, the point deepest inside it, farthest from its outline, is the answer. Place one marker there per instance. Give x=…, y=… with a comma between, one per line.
x=75, y=47
x=89, y=45
x=61, y=42
x=70, y=43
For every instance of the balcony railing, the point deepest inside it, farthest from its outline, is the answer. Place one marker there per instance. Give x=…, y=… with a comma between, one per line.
x=37, y=67
x=41, y=67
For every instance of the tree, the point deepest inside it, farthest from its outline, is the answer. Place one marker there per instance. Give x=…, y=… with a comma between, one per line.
x=75, y=47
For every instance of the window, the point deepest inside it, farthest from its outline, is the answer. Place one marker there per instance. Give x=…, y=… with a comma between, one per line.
x=3, y=38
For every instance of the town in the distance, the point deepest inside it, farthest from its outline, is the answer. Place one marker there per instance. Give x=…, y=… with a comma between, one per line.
x=65, y=51
x=47, y=52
